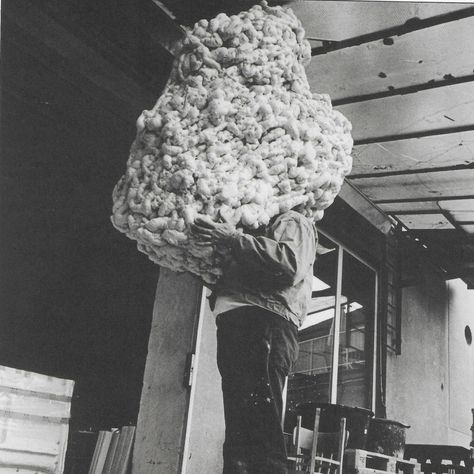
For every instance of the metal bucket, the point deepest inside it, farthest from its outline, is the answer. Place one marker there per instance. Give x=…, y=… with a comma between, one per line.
x=387, y=437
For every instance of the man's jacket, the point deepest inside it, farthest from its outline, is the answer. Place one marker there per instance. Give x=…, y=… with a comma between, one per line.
x=274, y=270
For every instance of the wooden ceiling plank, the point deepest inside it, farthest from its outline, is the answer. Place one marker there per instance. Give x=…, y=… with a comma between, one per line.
x=461, y=210
x=431, y=112
x=460, y=205
x=439, y=186
x=463, y=217
x=415, y=58
x=437, y=151
x=425, y=221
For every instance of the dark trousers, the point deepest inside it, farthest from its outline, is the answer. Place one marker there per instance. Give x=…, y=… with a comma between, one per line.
x=255, y=351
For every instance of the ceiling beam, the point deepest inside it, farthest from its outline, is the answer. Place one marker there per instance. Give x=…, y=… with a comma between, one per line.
x=414, y=212
x=360, y=203
x=407, y=136
x=169, y=32
x=411, y=25
x=384, y=174
x=423, y=199
x=447, y=81
x=428, y=212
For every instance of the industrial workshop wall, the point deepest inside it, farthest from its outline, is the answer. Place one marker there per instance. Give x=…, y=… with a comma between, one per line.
x=417, y=379
x=460, y=314
x=430, y=385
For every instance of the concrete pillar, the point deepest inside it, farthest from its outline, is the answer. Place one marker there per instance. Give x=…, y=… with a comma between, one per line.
x=162, y=420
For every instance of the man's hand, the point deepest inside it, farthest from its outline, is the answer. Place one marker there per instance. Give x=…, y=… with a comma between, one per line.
x=207, y=232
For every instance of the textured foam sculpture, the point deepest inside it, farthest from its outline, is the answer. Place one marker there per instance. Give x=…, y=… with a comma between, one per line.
x=236, y=134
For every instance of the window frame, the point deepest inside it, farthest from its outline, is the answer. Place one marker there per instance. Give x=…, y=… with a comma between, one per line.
x=341, y=248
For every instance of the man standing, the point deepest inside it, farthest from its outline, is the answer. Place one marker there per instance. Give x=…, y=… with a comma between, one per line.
x=260, y=302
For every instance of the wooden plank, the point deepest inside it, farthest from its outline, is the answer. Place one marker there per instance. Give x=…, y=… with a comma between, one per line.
x=445, y=107
x=429, y=185
x=461, y=205
x=414, y=58
x=338, y=20
x=469, y=228
x=461, y=210
x=425, y=221
x=414, y=153
x=463, y=216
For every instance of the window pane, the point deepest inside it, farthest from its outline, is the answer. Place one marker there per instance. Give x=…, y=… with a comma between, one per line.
x=354, y=386
x=311, y=375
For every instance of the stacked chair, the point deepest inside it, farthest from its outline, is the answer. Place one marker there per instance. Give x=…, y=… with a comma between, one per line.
x=316, y=452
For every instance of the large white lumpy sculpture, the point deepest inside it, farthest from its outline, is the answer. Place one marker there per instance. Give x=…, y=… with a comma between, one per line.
x=236, y=134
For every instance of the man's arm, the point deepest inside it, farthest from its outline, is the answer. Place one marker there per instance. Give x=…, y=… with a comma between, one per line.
x=285, y=252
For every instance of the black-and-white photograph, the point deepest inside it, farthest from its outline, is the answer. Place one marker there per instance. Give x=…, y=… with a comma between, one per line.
x=236, y=237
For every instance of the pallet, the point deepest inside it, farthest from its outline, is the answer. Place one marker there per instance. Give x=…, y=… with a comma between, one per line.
x=365, y=462
x=408, y=467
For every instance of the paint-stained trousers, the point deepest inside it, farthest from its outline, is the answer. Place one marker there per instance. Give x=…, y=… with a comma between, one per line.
x=255, y=351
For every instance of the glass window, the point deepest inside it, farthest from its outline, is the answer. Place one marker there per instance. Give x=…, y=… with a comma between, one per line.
x=342, y=314
x=310, y=379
